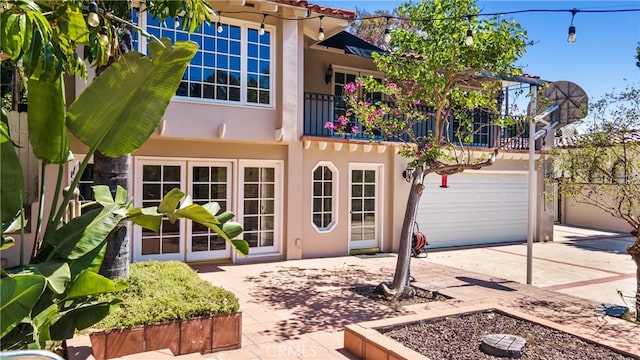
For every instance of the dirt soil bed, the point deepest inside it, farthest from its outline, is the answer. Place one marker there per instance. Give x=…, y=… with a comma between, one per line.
x=458, y=337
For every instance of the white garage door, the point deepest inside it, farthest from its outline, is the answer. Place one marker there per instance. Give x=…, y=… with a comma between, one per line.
x=478, y=207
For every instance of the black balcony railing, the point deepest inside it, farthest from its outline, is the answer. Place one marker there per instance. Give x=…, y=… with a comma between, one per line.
x=320, y=109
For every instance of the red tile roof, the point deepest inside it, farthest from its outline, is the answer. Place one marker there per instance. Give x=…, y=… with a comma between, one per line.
x=323, y=10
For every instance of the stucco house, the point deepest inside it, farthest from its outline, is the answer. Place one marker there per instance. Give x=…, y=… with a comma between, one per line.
x=246, y=129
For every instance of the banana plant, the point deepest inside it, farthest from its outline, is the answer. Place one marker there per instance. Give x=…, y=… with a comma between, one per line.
x=56, y=294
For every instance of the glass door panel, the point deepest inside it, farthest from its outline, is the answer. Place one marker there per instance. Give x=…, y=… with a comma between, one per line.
x=365, y=217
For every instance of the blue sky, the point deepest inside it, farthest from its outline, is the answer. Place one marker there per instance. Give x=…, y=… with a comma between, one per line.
x=599, y=61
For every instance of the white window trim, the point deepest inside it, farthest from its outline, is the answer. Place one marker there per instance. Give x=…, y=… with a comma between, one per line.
x=334, y=197
x=379, y=200
x=276, y=249
x=244, y=25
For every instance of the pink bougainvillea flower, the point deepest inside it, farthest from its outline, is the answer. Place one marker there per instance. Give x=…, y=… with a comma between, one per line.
x=329, y=125
x=416, y=101
x=427, y=146
x=350, y=88
x=342, y=120
x=394, y=125
x=392, y=85
x=359, y=83
x=354, y=129
x=371, y=118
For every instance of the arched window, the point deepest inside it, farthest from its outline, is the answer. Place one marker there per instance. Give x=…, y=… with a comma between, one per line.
x=324, y=196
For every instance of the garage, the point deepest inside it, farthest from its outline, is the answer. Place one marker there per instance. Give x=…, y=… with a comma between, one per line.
x=478, y=207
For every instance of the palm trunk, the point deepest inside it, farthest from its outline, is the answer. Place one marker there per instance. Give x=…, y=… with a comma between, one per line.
x=114, y=173
x=400, y=286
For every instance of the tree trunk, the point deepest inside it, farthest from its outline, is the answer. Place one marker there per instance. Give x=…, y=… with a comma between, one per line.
x=634, y=251
x=400, y=288
x=113, y=173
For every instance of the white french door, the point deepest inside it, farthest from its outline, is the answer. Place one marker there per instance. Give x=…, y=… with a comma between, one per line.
x=208, y=182
x=156, y=178
x=204, y=181
x=260, y=205
x=365, y=209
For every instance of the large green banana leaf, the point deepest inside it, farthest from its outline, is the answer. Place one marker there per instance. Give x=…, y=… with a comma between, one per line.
x=10, y=176
x=47, y=131
x=18, y=295
x=122, y=107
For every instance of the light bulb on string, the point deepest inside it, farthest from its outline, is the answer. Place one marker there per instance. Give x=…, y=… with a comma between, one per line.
x=571, y=38
x=103, y=39
x=262, y=26
x=177, y=22
x=387, y=33
x=93, y=19
x=219, y=27
x=468, y=40
x=321, y=30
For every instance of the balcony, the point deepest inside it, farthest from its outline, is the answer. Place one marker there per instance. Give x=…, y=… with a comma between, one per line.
x=322, y=108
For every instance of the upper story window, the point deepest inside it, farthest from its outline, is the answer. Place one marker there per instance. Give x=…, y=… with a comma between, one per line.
x=324, y=196
x=233, y=66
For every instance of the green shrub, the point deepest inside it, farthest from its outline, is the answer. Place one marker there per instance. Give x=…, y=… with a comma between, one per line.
x=163, y=291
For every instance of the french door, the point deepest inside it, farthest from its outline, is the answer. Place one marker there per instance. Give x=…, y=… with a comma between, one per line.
x=365, y=210
x=209, y=182
x=260, y=205
x=183, y=240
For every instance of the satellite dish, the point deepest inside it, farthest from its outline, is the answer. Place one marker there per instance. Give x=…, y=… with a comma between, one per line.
x=571, y=99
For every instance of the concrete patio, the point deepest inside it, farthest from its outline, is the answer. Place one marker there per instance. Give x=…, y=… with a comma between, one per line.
x=298, y=309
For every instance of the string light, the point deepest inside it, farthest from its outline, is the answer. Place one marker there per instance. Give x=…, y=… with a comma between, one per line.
x=262, y=30
x=104, y=36
x=219, y=27
x=93, y=19
x=177, y=22
x=571, y=38
x=387, y=33
x=321, y=30
x=469, y=39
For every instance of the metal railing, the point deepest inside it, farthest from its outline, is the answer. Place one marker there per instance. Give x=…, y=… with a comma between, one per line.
x=320, y=109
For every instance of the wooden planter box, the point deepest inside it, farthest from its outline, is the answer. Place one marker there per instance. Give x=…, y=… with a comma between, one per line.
x=203, y=335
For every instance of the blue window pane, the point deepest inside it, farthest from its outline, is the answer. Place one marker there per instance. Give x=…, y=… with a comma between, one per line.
x=253, y=50
x=209, y=44
x=182, y=89
x=252, y=95
x=253, y=35
x=264, y=67
x=234, y=93
x=181, y=36
x=223, y=45
x=264, y=82
x=168, y=33
x=264, y=52
x=208, y=75
x=235, y=32
x=222, y=61
x=252, y=80
x=208, y=28
x=152, y=21
x=264, y=97
x=196, y=90
x=221, y=93
x=207, y=91
x=222, y=77
x=197, y=59
x=234, y=62
x=210, y=59
x=234, y=78
x=195, y=73
x=235, y=48
x=154, y=31
x=197, y=38
x=266, y=38
x=252, y=66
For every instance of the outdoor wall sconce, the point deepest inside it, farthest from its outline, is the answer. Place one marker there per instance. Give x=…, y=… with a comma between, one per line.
x=328, y=75
x=407, y=174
